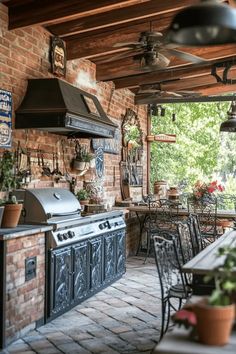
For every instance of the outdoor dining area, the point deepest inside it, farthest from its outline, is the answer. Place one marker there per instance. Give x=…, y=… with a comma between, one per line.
x=193, y=240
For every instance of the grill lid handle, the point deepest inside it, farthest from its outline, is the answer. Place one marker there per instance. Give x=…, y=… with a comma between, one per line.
x=50, y=215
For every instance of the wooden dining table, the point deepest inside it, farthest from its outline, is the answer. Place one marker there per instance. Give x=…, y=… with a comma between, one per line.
x=207, y=260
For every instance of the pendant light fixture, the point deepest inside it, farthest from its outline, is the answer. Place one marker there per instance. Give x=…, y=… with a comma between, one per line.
x=230, y=124
x=207, y=23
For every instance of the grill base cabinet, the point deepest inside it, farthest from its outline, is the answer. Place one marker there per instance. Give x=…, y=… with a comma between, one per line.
x=80, y=270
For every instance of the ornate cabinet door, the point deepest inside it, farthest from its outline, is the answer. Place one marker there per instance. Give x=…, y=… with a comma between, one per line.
x=60, y=281
x=80, y=270
x=96, y=258
x=109, y=257
x=121, y=256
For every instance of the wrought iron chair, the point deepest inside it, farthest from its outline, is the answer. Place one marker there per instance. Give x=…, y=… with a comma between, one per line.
x=172, y=282
x=206, y=209
x=163, y=217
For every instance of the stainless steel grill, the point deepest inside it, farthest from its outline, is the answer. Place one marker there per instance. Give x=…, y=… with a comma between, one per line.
x=61, y=209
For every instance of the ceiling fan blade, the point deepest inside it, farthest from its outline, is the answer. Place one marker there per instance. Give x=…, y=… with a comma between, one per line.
x=114, y=57
x=185, y=56
x=170, y=93
x=189, y=93
x=129, y=45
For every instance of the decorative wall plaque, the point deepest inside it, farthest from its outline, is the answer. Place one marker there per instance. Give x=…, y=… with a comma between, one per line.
x=109, y=146
x=58, y=56
x=5, y=118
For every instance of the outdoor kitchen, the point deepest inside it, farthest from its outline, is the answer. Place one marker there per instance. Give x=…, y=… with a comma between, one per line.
x=109, y=111
x=61, y=252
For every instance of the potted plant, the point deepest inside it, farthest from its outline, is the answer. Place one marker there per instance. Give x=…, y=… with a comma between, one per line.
x=82, y=157
x=11, y=214
x=83, y=196
x=215, y=314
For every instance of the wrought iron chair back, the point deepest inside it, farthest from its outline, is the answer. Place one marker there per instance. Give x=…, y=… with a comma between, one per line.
x=172, y=282
x=206, y=209
x=163, y=217
x=195, y=231
x=186, y=241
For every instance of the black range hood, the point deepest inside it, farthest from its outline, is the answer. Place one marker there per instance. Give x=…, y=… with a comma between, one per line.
x=55, y=106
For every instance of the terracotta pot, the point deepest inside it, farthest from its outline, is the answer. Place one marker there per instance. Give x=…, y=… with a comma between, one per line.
x=84, y=201
x=160, y=188
x=225, y=223
x=214, y=323
x=11, y=215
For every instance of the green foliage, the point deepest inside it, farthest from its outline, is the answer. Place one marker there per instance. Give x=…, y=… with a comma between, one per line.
x=7, y=172
x=225, y=281
x=83, y=194
x=82, y=153
x=201, y=152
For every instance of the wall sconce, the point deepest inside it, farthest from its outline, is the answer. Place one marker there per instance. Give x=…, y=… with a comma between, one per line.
x=207, y=23
x=230, y=124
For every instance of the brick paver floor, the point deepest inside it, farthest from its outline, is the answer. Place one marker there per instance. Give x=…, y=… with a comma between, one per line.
x=123, y=318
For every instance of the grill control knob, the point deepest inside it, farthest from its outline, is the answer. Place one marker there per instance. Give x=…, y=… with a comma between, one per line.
x=65, y=236
x=60, y=237
x=71, y=234
x=101, y=226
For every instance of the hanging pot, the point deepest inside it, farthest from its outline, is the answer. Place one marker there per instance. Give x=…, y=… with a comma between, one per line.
x=79, y=165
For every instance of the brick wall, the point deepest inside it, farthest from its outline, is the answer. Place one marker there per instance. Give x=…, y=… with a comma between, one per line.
x=24, y=300
x=24, y=54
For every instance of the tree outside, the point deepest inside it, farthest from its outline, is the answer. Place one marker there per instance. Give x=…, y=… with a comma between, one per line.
x=201, y=151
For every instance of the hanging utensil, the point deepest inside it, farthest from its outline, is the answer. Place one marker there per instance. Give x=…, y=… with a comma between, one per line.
x=46, y=170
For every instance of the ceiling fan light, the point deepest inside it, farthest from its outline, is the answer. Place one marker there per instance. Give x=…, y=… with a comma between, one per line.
x=230, y=124
x=207, y=23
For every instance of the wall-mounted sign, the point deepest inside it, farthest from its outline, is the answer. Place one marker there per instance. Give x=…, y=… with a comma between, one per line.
x=58, y=56
x=163, y=138
x=5, y=118
x=109, y=146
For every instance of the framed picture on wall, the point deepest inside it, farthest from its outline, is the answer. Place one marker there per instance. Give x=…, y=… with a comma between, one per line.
x=5, y=118
x=58, y=56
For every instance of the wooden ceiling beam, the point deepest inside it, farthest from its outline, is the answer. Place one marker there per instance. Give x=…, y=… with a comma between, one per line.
x=163, y=75
x=118, y=16
x=99, y=42
x=44, y=11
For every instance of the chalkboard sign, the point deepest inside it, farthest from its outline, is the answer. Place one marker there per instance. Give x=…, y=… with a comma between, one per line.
x=109, y=146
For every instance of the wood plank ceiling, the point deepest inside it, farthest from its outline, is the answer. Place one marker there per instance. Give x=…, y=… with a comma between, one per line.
x=91, y=29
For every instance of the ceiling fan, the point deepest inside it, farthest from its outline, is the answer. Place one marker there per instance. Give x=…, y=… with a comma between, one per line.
x=153, y=51
x=156, y=91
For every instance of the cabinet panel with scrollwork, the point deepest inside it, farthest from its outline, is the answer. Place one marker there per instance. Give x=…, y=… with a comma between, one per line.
x=80, y=263
x=78, y=271
x=61, y=274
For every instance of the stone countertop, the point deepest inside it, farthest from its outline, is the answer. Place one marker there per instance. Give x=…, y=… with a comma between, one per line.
x=22, y=230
